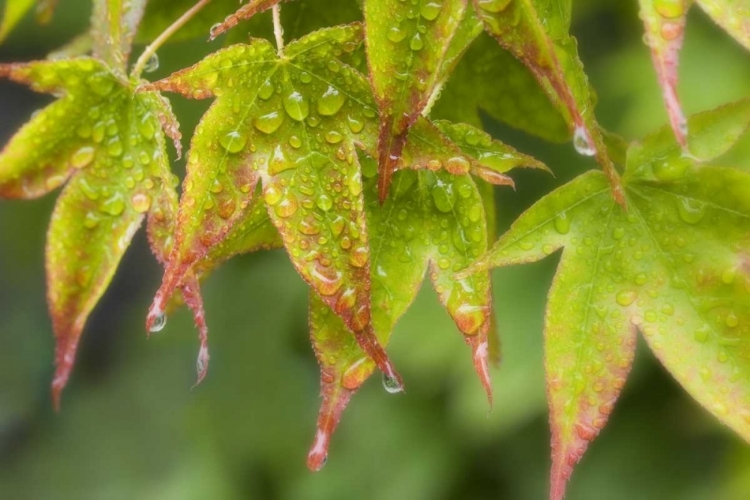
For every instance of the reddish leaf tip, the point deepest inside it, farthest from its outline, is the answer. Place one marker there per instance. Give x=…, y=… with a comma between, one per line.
x=481, y=354
x=65, y=356
x=335, y=400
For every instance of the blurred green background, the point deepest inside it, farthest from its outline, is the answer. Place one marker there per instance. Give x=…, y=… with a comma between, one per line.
x=131, y=427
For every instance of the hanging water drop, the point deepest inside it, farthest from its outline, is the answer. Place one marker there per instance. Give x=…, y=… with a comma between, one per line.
x=582, y=142
x=82, y=158
x=152, y=64
x=392, y=385
x=158, y=323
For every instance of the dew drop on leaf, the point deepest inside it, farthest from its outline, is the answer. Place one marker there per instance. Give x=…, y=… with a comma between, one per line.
x=141, y=202
x=324, y=202
x=269, y=123
x=493, y=5
x=158, y=323
x=562, y=223
x=396, y=34
x=392, y=385
x=331, y=102
x=82, y=158
x=581, y=141
x=691, y=211
x=296, y=106
x=233, y=142
x=430, y=9
x=626, y=297
x=670, y=9
x=152, y=64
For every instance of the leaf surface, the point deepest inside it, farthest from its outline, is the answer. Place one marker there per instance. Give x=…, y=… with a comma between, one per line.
x=111, y=146
x=433, y=223
x=674, y=266
x=409, y=54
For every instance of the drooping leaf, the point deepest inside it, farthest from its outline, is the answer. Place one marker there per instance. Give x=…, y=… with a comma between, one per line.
x=536, y=32
x=291, y=123
x=674, y=266
x=665, y=28
x=732, y=15
x=111, y=146
x=433, y=223
x=409, y=55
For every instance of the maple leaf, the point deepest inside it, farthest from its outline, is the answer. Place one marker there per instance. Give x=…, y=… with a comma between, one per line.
x=410, y=52
x=108, y=144
x=435, y=223
x=536, y=33
x=674, y=266
x=291, y=122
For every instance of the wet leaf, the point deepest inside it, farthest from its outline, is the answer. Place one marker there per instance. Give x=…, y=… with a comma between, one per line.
x=674, y=266
x=536, y=33
x=290, y=122
x=664, y=21
x=433, y=223
x=110, y=144
x=114, y=24
x=410, y=53
x=732, y=15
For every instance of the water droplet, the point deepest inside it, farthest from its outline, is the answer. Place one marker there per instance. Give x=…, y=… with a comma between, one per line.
x=296, y=106
x=269, y=123
x=159, y=322
x=728, y=276
x=286, y=207
x=266, y=90
x=626, y=297
x=83, y=157
x=141, y=202
x=457, y=165
x=701, y=334
x=333, y=137
x=152, y=64
x=330, y=102
x=493, y=5
x=114, y=148
x=272, y=195
x=562, y=223
x=430, y=10
x=324, y=202
x=416, y=42
x=582, y=142
x=305, y=77
x=113, y=206
x=233, y=142
x=295, y=142
x=691, y=211
x=732, y=320
x=444, y=197
x=618, y=233
x=391, y=385
x=396, y=33
x=670, y=9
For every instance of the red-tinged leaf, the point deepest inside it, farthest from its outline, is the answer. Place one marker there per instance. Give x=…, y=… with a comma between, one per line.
x=408, y=44
x=536, y=33
x=245, y=12
x=115, y=150
x=290, y=123
x=665, y=28
x=732, y=15
x=434, y=220
x=674, y=266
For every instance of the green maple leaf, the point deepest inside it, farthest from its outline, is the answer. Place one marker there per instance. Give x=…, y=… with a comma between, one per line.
x=432, y=223
x=292, y=122
x=412, y=47
x=107, y=146
x=732, y=15
x=675, y=266
x=665, y=27
x=536, y=32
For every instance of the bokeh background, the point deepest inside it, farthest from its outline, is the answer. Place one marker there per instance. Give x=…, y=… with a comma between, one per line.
x=131, y=427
